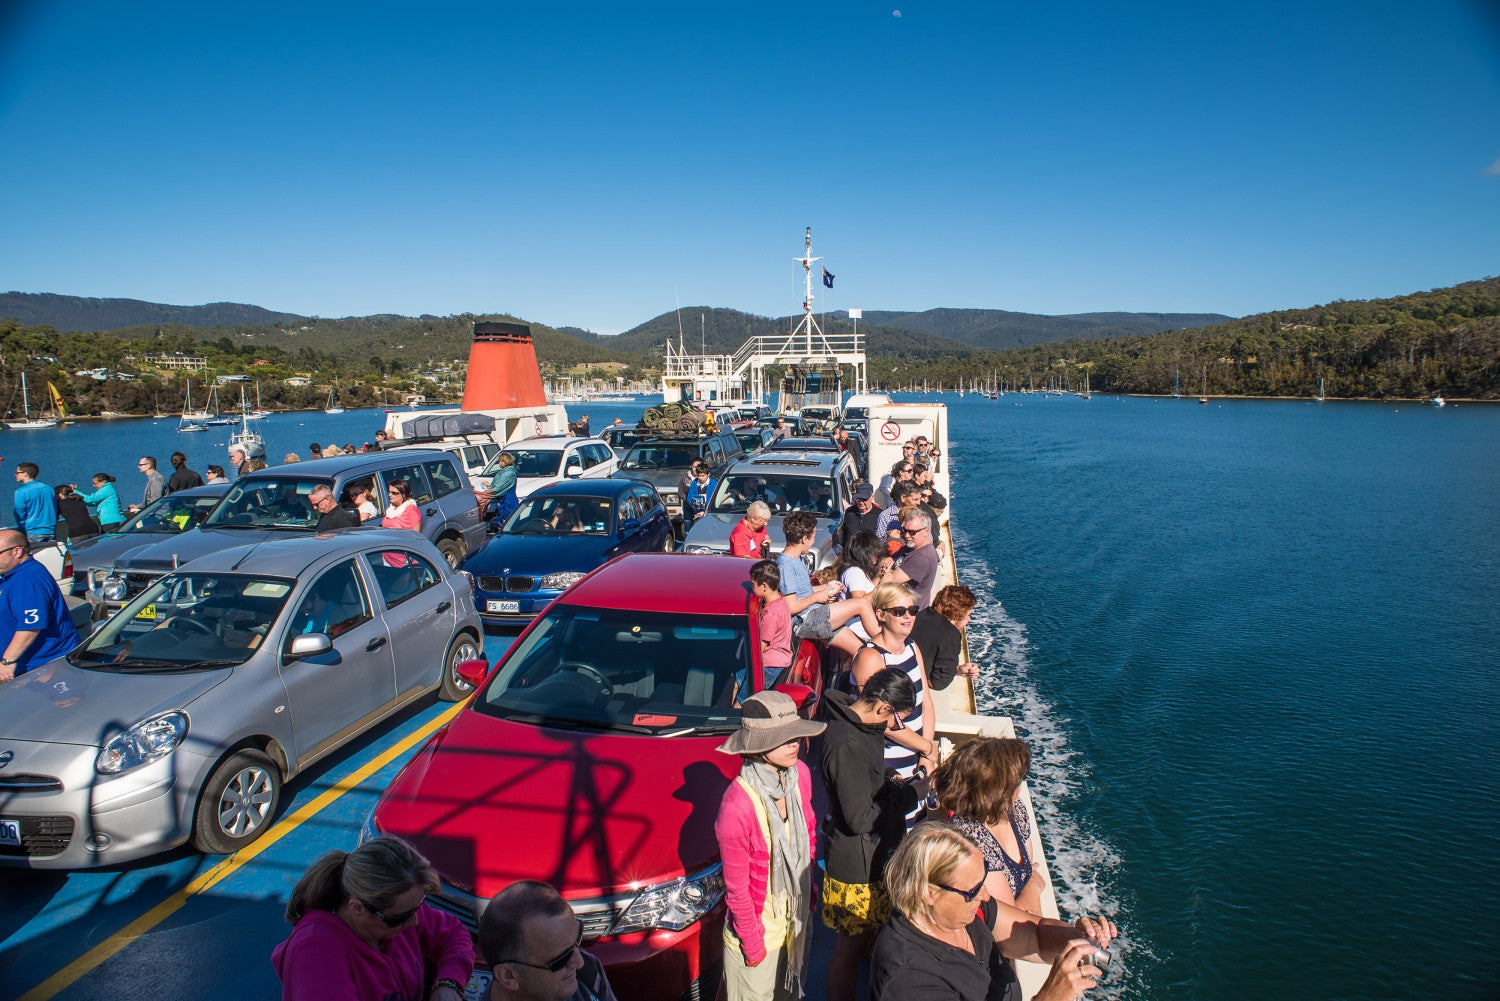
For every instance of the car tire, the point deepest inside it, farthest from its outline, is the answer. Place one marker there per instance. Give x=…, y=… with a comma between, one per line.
x=669, y=542
x=238, y=803
x=452, y=550
x=464, y=647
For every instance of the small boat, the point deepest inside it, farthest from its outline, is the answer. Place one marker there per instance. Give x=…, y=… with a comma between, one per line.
x=1438, y=401
x=192, y=420
x=1177, y=384
x=1320, y=397
x=251, y=441
x=333, y=406
x=27, y=423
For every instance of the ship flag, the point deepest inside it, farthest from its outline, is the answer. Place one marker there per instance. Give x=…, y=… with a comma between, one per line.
x=827, y=278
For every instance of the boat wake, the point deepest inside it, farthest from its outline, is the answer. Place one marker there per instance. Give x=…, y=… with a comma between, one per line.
x=1084, y=866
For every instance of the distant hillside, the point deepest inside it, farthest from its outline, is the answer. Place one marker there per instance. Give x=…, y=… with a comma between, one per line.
x=995, y=329
x=1445, y=341
x=71, y=313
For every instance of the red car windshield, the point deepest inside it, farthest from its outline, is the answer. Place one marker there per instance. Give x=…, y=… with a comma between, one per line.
x=599, y=668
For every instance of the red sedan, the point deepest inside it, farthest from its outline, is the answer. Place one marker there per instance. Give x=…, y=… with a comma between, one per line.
x=586, y=758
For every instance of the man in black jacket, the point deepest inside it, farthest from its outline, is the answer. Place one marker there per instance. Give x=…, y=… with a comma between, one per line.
x=183, y=478
x=867, y=819
x=861, y=516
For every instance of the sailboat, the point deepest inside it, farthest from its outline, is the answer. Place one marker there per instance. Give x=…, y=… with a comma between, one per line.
x=333, y=406
x=1320, y=397
x=192, y=420
x=1177, y=384
x=1204, y=398
x=257, y=414
x=27, y=424
x=217, y=415
x=251, y=441
x=1086, y=394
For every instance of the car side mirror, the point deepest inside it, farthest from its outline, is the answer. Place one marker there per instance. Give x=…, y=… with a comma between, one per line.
x=473, y=672
x=804, y=696
x=573, y=472
x=308, y=645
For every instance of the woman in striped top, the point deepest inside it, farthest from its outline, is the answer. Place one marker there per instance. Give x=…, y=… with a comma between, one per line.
x=910, y=741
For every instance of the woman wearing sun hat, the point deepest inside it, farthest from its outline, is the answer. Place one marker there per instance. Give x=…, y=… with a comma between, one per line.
x=767, y=839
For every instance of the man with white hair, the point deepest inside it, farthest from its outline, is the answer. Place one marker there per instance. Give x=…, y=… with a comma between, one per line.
x=239, y=456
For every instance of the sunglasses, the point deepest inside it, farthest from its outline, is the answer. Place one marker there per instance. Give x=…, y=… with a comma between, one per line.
x=901, y=610
x=968, y=895
x=555, y=965
x=394, y=920
x=913, y=531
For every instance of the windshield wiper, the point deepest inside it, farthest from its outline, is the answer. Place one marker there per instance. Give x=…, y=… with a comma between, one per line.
x=703, y=730
x=573, y=723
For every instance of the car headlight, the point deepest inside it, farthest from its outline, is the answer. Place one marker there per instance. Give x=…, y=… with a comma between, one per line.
x=142, y=744
x=113, y=587
x=810, y=559
x=473, y=584
x=701, y=550
x=675, y=905
x=670, y=497
x=560, y=581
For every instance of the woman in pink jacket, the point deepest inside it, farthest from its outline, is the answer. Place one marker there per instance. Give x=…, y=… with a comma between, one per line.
x=362, y=930
x=403, y=511
x=767, y=838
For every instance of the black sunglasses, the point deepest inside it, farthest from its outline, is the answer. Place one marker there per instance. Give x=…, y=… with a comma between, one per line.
x=968, y=895
x=555, y=965
x=901, y=610
x=394, y=920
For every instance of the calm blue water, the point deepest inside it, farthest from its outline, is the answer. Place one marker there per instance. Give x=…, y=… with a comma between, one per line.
x=1251, y=645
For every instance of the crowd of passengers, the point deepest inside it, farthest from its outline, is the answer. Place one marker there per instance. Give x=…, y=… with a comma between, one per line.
x=927, y=873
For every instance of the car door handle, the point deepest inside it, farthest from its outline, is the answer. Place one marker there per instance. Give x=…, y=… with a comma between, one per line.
x=430, y=511
x=445, y=606
x=375, y=644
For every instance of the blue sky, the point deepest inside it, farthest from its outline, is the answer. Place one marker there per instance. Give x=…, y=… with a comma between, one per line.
x=595, y=163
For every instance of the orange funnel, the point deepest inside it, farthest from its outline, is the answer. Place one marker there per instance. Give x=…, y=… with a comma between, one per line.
x=503, y=372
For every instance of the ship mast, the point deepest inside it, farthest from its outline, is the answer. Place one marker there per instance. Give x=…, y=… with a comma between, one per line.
x=808, y=324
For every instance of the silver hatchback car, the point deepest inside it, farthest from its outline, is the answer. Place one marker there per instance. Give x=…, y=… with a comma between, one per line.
x=180, y=718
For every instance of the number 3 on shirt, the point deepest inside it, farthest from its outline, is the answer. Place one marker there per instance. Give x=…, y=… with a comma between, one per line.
x=33, y=617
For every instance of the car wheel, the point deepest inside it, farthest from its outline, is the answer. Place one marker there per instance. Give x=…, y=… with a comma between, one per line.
x=669, y=542
x=464, y=647
x=452, y=551
x=238, y=803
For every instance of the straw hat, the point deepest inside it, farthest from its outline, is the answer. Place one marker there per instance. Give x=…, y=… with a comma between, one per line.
x=768, y=720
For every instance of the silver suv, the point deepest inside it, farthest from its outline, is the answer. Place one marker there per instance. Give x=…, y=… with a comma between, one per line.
x=272, y=504
x=821, y=483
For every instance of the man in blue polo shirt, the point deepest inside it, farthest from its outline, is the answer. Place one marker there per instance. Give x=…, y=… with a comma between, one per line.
x=35, y=504
x=35, y=625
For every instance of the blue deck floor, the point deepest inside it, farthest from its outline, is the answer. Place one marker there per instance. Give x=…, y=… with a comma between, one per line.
x=187, y=926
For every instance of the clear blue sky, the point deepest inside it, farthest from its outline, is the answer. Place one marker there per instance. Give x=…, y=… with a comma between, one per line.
x=593, y=163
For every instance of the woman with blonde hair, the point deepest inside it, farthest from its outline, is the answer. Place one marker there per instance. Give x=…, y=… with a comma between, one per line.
x=362, y=929
x=936, y=948
x=980, y=786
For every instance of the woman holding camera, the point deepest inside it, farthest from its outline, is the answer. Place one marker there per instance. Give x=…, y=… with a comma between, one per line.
x=934, y=947
x=980, y=786
x=362, y=929
x=912, y=742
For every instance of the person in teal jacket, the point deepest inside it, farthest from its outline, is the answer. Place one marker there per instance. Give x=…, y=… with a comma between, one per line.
x=105, y=500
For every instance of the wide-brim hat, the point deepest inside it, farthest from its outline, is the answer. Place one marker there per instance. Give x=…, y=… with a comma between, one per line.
x=768, y=720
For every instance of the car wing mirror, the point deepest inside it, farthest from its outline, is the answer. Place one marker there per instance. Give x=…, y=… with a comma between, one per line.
x=473, y=672
x=804, y=696
x=573, y=472
x=308, y=645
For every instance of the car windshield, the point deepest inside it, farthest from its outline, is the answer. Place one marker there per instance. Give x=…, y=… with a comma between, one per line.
x=187, y=620
x=274, y=502
x=598, y=668
x=562, y=515
x=782, y=491
x=660, y=456
x=171, y=515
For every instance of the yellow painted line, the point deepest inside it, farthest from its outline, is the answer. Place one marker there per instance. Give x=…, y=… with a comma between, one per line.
x=84, y=964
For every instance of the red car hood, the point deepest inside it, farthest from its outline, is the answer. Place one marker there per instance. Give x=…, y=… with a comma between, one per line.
x=489, y=801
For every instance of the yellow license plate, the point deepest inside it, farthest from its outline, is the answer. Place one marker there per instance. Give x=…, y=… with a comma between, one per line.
x=149, y=612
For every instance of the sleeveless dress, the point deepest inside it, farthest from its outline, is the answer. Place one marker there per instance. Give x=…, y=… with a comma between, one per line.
x=903, y=759
x=995, y=860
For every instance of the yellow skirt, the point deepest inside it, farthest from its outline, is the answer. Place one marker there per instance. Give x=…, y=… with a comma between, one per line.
x=854, y=908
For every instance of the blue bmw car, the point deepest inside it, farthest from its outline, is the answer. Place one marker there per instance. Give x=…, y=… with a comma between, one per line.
x=559, y=533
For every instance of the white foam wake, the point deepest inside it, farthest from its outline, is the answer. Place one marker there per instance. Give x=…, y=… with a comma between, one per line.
x=1083, y=864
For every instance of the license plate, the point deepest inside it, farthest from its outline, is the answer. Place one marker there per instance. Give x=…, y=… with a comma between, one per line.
x=149, y=612
x=493, y=605
x=479, y=986
x=10, y=834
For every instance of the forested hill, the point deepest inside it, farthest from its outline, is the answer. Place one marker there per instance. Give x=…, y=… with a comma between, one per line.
x=70, y=313
x=999, y=328
x=1446, y=341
